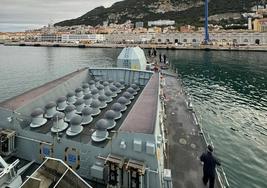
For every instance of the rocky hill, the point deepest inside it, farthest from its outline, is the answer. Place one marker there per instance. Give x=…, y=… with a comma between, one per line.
x=182, y=11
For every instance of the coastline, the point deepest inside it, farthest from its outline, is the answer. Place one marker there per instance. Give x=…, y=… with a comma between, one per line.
x=254, y=48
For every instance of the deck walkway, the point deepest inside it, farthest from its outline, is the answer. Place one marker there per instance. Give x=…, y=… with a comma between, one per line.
x=185, y=144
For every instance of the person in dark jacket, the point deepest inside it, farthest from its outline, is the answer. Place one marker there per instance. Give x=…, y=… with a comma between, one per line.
x=209, y=168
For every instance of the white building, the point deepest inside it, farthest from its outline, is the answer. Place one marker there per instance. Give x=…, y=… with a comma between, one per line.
x=249, y=23
x=49, y=38
x=82, y=37
x=161, y=22
x=139, y=24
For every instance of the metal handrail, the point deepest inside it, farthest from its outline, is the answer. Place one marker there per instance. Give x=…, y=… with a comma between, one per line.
x=219, y=171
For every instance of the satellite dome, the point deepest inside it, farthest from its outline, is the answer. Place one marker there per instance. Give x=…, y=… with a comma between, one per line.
x=71, y=97
x=118, y=85
x=37, y=118
x=94, y=91
x=50, y=109
x=88, y=99
x=113, y=88
x=61, y=103
x=101, y=132
x=70, y=94
x=58, y=123
x=131, y=90
x=127, y=95
x=87, y=96
x=37, y=112
x=122, y=100
x=70, y=111
x=122, y=82
x=70, y=108
x=108, y=93
x=58, y=116
x=50, y=105
x=79, y=102
x=87, y=111
x=76, y=120
x=95, y=103
x=135, y=87
x=101, y=125
x=91, y=82
x=85, y=86
x=75, y=127
x=105, y=83
x=86, y=115
x=100, y=87
x=61, y=99
x=77, y=90
x=110, y=114
x=102, y=98
x=116, y=107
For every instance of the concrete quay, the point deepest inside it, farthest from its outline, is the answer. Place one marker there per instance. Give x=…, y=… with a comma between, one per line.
x=254, y=48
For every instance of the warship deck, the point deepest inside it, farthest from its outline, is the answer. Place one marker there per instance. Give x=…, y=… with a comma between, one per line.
x=185, y=144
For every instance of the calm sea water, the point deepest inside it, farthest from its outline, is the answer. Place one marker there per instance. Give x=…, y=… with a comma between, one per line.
x=229, y=91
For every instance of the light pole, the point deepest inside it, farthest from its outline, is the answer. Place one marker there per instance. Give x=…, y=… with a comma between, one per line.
x=207, y=38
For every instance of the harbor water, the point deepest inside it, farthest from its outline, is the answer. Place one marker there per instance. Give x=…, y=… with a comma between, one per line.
x=228, y=90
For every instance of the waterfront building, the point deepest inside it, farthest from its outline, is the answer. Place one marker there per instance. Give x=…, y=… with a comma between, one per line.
x=187, y=28
x=140, y=30
x=260, y=25
x=105, y=23
x=161, y=23
x=225, y=37
x=83, y=37
x=3, y=37
x=103, y=30
x=154, y=30
x=169, y=29
x=49, y=38
x=139, y=24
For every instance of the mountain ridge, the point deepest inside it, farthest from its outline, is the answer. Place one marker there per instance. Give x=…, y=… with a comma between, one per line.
x=182, y=11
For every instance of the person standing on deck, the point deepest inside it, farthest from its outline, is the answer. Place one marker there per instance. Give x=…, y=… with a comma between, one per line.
x=210, y=163
x=164, y=59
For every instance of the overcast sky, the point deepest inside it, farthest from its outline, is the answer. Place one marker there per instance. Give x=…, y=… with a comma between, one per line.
x=19, y=15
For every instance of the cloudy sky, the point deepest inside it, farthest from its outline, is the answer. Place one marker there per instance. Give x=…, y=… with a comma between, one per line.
x=19, y=15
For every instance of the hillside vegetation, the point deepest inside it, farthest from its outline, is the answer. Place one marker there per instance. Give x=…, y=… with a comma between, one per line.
x=182, y=11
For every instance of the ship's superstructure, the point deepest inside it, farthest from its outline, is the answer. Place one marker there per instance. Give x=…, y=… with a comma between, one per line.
x=106, y=124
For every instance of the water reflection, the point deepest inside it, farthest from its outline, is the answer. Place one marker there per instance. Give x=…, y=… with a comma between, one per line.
x=229, y=92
